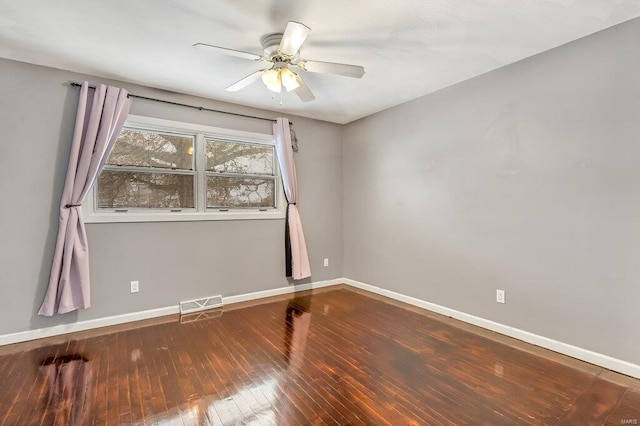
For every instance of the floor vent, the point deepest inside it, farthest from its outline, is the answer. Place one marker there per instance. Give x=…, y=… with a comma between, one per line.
x=202, y=304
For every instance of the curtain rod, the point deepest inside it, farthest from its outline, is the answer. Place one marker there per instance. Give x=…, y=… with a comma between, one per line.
x=131, y=95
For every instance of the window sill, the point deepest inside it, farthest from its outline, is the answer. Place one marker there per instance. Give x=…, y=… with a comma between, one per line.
x=109, y=217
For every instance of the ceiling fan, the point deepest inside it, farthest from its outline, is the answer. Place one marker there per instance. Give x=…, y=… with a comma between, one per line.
x=281, y=51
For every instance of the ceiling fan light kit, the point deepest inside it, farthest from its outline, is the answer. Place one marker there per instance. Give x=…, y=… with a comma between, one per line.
x=272, y=79
x=282, y=51
x=278, y=76
x=289, y=79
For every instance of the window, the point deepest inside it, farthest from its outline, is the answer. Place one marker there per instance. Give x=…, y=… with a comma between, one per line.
x=240, y=175
x=149, y=170
x=161, y=170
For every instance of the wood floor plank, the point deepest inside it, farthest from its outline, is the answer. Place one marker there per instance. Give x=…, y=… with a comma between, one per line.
x=628, y=410
x=594, y=405
x=334, y=356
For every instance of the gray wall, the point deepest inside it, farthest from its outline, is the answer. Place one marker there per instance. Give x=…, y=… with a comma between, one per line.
x=525, y=179
x=173, y=261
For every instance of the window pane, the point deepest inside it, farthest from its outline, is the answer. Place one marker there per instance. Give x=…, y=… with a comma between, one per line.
x=232, y=157
x=149, y=190
x=150, y=149
x=238, y=192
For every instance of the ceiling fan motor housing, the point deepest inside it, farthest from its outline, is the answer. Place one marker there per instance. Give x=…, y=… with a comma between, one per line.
x=271, y=44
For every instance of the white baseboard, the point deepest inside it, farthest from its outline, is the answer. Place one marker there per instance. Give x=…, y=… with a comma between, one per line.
x=602, y=360
x=596, y=358
x=278, y=291
x=57, y=330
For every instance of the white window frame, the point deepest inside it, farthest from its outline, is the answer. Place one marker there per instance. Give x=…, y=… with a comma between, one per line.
x=200, y=213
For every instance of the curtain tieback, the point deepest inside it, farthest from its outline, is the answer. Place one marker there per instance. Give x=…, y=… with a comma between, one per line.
x=292, y=204
x=68, y=206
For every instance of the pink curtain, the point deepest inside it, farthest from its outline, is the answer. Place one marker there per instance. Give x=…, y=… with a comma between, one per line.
x=295, y=246
x=100, y=117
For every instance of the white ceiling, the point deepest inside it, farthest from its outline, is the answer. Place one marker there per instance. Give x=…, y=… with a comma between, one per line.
x=408, y=47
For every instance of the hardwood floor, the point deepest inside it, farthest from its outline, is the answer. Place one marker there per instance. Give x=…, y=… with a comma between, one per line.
x=334, y=356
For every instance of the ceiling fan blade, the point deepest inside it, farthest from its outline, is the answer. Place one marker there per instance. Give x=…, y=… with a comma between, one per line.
x=355, y=71
x=229, y=52
x=303, y=91
x=241, y=84
x=294, y=35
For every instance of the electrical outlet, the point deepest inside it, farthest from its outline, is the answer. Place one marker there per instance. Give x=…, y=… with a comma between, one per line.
x=500, y=296
x=135, y=286
x=326, y=261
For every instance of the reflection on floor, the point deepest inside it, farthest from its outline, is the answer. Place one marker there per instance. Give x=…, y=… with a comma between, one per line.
x=334, y=356
x=69, y=381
